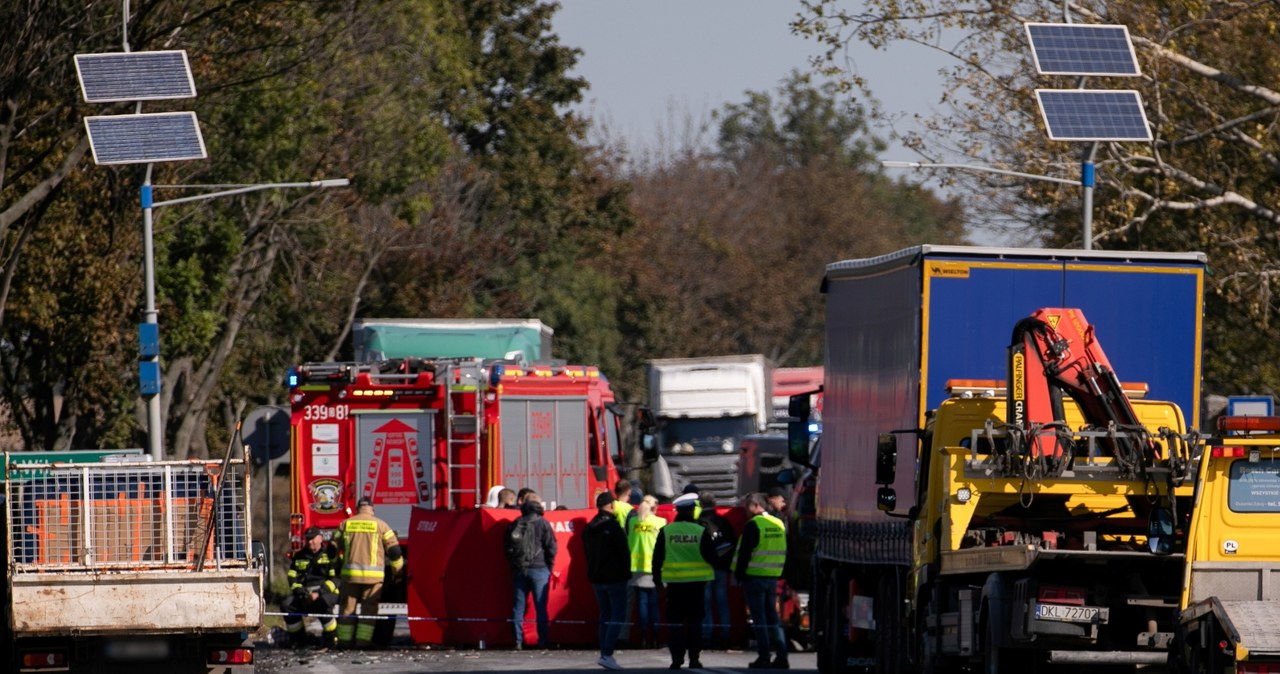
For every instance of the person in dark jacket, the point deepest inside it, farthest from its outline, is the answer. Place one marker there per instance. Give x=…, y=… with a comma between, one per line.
x=608, y=569
x=313, y=588
x=682, y=563
x=715, y=627
x=532, y=574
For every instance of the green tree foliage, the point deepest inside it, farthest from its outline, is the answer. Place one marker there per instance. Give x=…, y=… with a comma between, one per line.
x=474, y=194
x=1207, y=181
x=735, y=240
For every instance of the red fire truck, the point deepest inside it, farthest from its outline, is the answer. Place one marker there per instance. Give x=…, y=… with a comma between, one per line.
x=440, y=432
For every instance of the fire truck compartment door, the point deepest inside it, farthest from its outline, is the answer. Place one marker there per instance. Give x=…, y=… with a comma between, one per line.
x=544, y=447
x=393, y=455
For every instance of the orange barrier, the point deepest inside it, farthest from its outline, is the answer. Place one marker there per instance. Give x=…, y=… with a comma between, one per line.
x=460, y=587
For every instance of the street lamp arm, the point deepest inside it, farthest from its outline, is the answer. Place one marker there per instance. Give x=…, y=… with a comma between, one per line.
x=978, y=168
x=332, y=182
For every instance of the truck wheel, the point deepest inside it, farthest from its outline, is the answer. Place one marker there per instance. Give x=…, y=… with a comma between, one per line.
x=997, y=660
x=836, y=636
x=820, y=630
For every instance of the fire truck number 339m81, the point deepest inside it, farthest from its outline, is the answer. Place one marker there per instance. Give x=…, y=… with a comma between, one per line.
x=326, y=412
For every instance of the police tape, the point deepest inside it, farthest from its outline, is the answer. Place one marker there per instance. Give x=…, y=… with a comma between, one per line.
x=408, y=618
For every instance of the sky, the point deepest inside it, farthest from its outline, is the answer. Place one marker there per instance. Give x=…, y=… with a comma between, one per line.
x=651, y=63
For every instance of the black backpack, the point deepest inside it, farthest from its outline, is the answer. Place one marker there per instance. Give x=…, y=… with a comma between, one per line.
x=523, y=544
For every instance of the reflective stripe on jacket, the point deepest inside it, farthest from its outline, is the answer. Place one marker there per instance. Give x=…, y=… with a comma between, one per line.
x=364, y=540
x=770, y=553
x=641, y=537
x=682, y=560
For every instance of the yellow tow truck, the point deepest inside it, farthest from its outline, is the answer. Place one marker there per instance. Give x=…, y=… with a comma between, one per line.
x=1230, y=619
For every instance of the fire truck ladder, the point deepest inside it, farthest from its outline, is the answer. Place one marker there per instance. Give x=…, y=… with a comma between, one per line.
x=465, y=409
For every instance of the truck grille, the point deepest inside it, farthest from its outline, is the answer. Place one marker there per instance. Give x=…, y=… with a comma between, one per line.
x=716, y=474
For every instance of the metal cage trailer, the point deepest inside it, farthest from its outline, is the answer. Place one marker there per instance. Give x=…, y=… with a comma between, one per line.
x=114, y=562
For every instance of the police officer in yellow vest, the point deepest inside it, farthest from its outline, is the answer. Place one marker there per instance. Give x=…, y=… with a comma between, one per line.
x=367, y=545
x=757, y=564
x=682, y=562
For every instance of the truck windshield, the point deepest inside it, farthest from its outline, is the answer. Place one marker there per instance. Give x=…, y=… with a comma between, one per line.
x=705, y=436
x=1255, y=487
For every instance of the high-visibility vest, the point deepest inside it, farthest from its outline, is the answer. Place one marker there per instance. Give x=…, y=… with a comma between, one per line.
x=770, y=552
x=620, y=510
x=682, y=561
x=642, y=537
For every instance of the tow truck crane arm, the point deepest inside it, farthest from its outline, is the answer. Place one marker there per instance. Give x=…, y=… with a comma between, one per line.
x=1055, y=351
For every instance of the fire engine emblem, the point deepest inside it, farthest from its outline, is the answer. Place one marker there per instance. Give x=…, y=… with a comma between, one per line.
x=326, y=495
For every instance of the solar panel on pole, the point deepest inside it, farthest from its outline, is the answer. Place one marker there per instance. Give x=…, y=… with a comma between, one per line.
x=142, y=138
x=1093, y=115
x=135, y=76
x=1082, y=49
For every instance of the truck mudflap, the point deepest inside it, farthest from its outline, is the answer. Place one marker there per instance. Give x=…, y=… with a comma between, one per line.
x=1248, y=626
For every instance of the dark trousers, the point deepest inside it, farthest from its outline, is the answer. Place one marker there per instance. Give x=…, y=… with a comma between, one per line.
x=685, y=610
x=612, y=600
x=531, y=581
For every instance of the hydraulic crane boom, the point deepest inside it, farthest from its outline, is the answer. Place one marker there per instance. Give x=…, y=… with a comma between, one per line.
x=1052, y=352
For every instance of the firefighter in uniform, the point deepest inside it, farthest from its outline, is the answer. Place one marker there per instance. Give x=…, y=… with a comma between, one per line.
x=757, y=564
x=313, y=572
x=368, y=545
x=682, y=562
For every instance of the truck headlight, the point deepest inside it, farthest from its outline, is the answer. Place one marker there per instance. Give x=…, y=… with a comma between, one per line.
x=963, y=494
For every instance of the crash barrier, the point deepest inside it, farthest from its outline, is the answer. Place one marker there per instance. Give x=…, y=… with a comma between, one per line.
x=460, y=586
x=127, y=516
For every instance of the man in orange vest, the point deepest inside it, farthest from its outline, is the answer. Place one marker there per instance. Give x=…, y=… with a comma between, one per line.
x=367, y=545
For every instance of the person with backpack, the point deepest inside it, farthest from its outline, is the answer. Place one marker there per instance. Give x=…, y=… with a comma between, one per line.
x=530, y=547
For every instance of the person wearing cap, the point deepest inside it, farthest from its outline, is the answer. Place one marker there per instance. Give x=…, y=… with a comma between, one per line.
x=368, y=546
x=682, y=562
x=757, y=565
x=608, y=569
x=692, y=488
x=313, y=572
x=492, y=500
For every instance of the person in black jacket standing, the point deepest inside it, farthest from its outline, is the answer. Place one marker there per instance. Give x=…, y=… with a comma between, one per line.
x=608, y=569
x=531, y=550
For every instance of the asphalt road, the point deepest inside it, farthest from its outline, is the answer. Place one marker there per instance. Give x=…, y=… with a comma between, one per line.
x=274, y=660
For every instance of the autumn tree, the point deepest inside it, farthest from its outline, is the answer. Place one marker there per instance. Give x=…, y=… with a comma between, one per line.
x=1206, y=182
x=735, y=239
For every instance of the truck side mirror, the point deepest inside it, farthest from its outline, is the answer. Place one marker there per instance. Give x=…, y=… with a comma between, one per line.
x=648, y=429
x=798, y=407
x=1160, y=532
x=649, y=447
x=886, y=499
x=798, y=442
x=886, y=459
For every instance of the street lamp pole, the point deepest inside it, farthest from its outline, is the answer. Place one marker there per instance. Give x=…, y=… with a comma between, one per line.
x=1086, y=183
x=149, y=329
